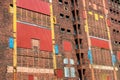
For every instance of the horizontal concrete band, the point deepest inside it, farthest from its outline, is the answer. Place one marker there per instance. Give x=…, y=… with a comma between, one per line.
x=99, y=38
x=103, y=67
x=32, y=24
x=30, y=70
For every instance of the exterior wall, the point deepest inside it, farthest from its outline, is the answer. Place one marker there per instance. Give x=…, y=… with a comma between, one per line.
x=5, y=34
x=71, y=36
x=94, y=19
x=113, y=8
x=63, y=34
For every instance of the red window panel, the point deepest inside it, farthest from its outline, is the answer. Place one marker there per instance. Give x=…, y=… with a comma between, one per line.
x=30, y=77
x=25, y=34
x=108, y=22
x=108, y=77
x=59, y=73
x=35, y=5
x=118, y=55
x=67, y=46
x=84, y=14
x=99, y=43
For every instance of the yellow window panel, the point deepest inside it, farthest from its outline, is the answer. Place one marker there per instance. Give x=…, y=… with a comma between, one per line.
x=86, y=27
x=101, y=16
x=96, y=16
x=10, y=9
x=90, y=13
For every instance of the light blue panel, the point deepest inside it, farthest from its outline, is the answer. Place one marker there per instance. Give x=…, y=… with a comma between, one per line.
x=90, y=56
x=113, y=59
x=56, y=49
x=11, y=42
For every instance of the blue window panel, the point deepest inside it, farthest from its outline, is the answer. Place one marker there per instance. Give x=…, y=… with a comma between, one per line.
x=90, y=56
x=11, y=42
x=56, y=49
x=113, y=59
x=72, y=61
x=66, y=72
x=66, y=61
x=72, y=71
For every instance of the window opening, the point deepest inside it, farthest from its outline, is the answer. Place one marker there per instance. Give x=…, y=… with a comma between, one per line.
x=81, y=43
x=61, y=15
x=68, y=30
x=66, y=2
x=62, y=29
x=60, y=1
x=78, y=58
x=75, y=30
x=76, y=42
x=67, y=17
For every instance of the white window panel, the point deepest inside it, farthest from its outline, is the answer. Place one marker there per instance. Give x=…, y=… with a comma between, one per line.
x=72, y=71
x=72, y=61
x=66, y=72
x=66, y=61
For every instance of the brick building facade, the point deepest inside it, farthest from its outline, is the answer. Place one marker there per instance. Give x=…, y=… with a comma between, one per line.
x=86, y=40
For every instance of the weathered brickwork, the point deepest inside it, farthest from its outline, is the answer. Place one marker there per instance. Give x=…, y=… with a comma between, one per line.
x=81, y=27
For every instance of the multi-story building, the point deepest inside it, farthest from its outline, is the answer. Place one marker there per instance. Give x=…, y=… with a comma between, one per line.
x=114, y=23
x=59, y=40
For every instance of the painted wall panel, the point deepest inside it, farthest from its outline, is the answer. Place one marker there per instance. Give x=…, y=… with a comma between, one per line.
x=108, y=22
x=25, y=34
x=59, y=73
x=113, y=59
x=67, y=46
x=35, y=5
x=90, y=56
x=99, y=43
x=118, y=55
x=56, y=49
x=11, y=42
x=30, y=77
x=84, y=14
